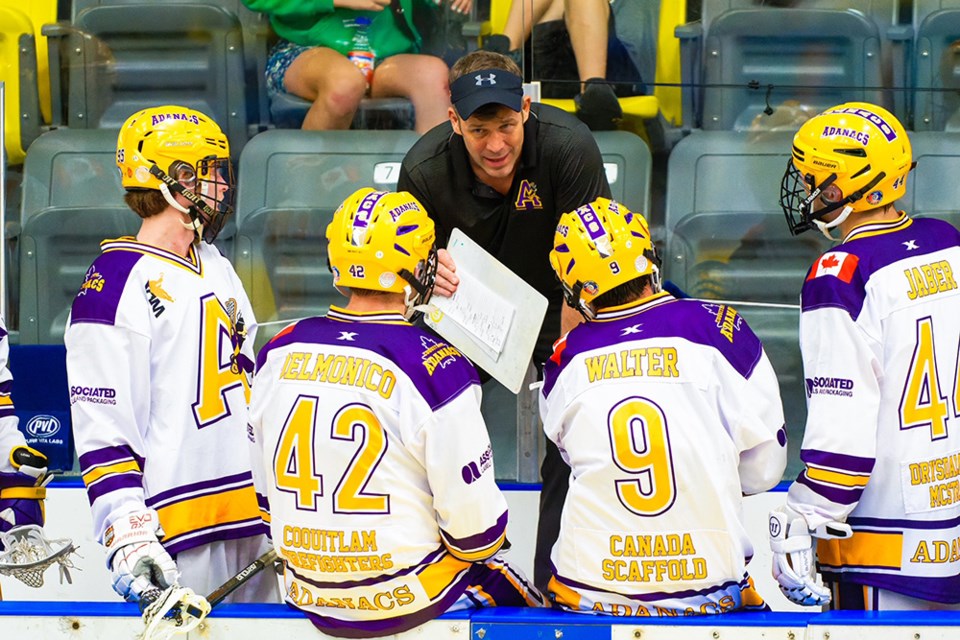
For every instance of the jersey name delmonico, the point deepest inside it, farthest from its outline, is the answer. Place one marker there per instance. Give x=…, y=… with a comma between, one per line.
x=883, y=451
x=160, y=350
x=383, y=488
x=667, y=412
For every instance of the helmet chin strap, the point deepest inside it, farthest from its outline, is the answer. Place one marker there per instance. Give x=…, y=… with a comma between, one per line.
x=826, y=227
x=195, y=222
x=411, y=302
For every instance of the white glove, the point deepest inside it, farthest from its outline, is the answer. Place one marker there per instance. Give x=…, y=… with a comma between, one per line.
x=794, y=565
x=134, y=554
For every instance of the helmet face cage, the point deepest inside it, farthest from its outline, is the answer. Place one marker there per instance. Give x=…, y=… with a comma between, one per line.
x=421, y=280
x=216, y=188
x=798, y=196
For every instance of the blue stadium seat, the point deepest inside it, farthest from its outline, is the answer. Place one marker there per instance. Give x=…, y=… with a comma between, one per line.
x=122, y=56
x=797, y=59
x=936, y=66
x=628, y=164
x=937, y=154
x=727, y=241
x=72, y=199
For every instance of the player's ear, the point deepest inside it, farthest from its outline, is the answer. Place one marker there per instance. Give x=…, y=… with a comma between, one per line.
x=454, y=120
x=525, y=107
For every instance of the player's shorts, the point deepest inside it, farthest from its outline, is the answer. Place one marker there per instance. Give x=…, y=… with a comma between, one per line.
x=848, y=596
x=494, y=583
x=281, y=57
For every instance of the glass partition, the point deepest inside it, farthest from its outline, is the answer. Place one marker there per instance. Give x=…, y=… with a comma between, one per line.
x=710, y=93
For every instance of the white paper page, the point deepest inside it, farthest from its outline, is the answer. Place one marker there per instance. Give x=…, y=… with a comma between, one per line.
x=481, y=312
x=494, y=318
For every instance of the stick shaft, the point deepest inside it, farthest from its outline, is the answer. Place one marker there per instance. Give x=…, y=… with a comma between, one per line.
x=237, y=581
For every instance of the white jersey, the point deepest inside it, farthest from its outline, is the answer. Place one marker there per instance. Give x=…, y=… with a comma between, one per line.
x=378, y=470
x=10, y=435
x=879, y=331
x=667, y=412
x=159, y=350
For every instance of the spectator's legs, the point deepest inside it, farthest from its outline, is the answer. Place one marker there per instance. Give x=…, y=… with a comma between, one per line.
x=422, y=79
x=331, y=82
x=526, y=13
x=587, y=23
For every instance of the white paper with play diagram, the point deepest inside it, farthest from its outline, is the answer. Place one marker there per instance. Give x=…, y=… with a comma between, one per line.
x=494, y=317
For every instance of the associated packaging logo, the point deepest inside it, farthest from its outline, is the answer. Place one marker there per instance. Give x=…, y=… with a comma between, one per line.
x=43, y=426
x=472, y=471
x=829, y=387
x=94, y=395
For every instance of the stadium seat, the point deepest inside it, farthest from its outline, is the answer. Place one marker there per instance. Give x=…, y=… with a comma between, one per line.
x=292, y=182
x=936, y=65
x=287, y=111
x=628, y=164
x=744, y=57
x=937, y=154
x=727, y=241
x=123, y=56
x=72, y=199
x=18, y=72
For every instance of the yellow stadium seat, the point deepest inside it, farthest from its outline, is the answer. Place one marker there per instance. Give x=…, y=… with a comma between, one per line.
x=18, y=73
x=39, y=12
x=666, y=98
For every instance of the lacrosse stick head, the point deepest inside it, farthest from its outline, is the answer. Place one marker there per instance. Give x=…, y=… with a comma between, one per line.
x=174, y=611
x=28, y=553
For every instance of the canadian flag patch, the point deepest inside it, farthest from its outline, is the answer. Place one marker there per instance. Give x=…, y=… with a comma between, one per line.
x=837, y=264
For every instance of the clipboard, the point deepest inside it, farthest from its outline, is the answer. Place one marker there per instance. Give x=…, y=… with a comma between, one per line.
x=494, y=318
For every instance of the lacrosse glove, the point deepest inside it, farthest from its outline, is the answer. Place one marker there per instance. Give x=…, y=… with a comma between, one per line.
x=135, y=556
x=794, y=563
x=22, y=493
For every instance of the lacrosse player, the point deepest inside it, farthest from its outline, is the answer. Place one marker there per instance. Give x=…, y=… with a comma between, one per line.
x=376, y=462
x=159, y=353
x=668, y=412
x=879, y=334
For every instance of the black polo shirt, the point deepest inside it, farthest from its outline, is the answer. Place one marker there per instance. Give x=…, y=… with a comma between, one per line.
x=560, y=168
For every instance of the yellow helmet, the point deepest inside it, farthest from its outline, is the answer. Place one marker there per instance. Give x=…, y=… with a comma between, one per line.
x=854, y=156
x=179, y=150
x=598, y=247
x=383, y=241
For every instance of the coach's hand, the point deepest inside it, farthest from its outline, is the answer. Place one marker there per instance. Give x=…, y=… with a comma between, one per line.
x=135, y=556
x=446, y=281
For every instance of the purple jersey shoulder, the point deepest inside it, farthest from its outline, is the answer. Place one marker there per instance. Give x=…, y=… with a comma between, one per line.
x=439, y=370
x=701, y=322
x=99, y=295
x=847, y=289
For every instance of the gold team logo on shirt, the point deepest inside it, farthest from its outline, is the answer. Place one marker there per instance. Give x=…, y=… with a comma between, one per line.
x=727, y=319
x=437, y=354
x=527, y=197
x=156, y=288
x=93, y=282
x=156, y=296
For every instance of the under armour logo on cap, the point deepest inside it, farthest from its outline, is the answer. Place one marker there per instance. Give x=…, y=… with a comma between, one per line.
x=486, y=86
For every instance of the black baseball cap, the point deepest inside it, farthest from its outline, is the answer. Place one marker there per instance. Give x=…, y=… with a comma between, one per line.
x=471, y=91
